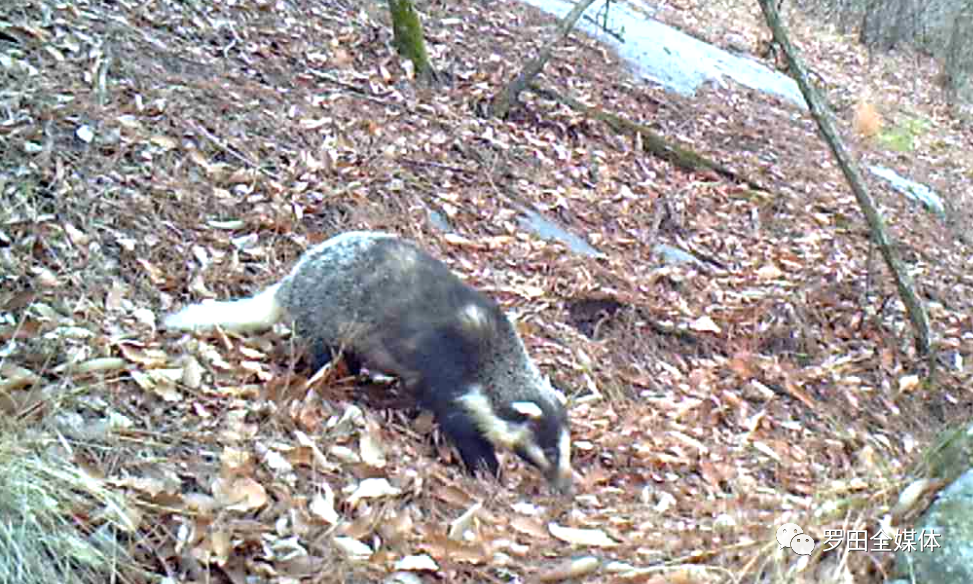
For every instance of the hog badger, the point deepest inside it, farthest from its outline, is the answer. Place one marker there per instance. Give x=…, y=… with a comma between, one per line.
x=398, y=310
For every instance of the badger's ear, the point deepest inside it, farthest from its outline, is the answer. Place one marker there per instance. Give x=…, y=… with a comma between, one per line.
x=528, y=409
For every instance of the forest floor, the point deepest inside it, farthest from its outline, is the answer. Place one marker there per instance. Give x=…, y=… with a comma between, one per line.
x=157, y=153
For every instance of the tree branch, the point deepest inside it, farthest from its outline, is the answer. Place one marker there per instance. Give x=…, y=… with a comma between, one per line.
x=825, y=121
x=507, y=98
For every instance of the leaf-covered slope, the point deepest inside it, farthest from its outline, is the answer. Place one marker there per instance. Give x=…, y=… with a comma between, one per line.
x=157, y=153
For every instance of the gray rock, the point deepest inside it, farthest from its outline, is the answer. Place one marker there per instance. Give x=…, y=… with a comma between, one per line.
x=949, y=524
x=674, y=59
x=916, y=191
x=549, y=230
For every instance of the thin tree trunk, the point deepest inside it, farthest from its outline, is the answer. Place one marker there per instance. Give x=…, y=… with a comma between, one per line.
x=408, y=39
x=507, y=98
x=824, y=118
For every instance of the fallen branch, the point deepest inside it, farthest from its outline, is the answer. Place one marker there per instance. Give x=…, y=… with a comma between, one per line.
x=651, y=142
x=507, y=98
x=824, y=118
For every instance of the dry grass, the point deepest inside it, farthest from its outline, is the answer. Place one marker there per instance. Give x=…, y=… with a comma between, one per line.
x=709, y=404
x=57, y=522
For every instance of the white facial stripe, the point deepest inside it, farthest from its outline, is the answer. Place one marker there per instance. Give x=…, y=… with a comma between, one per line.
x=564, y=456
x=512, y=436
x=496, y=430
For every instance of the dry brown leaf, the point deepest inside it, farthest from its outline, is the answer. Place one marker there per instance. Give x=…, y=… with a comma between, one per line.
x=161, y=382
x=454, y=497
x=445, y=549
x=530, y=526
x=571, y=569
x=460, y=241
x=76, y=236
x=148, y=358
x=909, y=496
x=13, y=377
x=344, y=454
x=691, y=442
x=322, y=504
x=309, y=454
x=464, y=523
x=908, y=383
x=741, y=364
x=242, y=176
x=370, y=446
x=770, y=272
x=192, y=372
x=704, y=324
x=352, y=549
x=164, y=142
x=498, y=241
x=374, y=488
x=577, y=536
x=236, y=461
x=419, y=563
x=148, y=485
x=273, y=459
x=766, y=450
x=239, y=493
x=257, y=369
x=200, y=503
x=156, y=276
x=221, y=544
x=397, y=526
x=247, y=391
x=867, y=121
x=795, y=390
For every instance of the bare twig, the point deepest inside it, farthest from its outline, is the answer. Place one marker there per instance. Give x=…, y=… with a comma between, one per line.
x=825, y=120
x=507, y=97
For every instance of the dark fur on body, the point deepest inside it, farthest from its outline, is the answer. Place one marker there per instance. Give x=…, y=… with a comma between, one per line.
x=398, y=310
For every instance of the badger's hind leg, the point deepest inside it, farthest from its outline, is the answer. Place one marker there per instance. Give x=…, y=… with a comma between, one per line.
x=477, y=452
x=318, y=354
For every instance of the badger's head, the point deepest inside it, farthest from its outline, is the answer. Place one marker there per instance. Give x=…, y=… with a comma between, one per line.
x=544, y=440
x=536, y=430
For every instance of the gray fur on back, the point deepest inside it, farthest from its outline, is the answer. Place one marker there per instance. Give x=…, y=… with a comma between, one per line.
x=325, y=292
x=364, y=290
x=399, y=310
x=396, y=309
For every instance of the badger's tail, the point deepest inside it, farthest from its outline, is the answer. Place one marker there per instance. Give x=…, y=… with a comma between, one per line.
x=249, y=314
